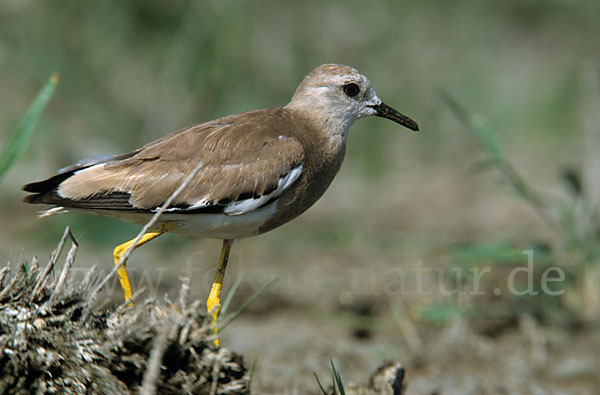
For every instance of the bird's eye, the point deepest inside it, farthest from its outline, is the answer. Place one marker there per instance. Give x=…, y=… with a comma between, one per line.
x=351, y=89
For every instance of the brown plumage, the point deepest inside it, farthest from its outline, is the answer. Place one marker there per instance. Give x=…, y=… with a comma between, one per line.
x=241, y=157
x=259, y=169
x=244, y=157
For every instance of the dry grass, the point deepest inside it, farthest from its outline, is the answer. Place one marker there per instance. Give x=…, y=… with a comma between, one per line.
x=53, y=341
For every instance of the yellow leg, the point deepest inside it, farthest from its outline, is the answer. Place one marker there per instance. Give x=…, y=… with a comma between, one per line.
x=213, y=303
x=121, y=249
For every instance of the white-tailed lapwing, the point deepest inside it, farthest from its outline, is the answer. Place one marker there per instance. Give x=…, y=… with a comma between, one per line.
x=259, y=169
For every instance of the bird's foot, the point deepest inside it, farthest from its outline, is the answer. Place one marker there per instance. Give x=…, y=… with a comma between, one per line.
x=122, y=271
x=213, y=306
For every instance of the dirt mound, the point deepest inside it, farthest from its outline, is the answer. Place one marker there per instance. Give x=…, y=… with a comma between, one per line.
x=53, y=339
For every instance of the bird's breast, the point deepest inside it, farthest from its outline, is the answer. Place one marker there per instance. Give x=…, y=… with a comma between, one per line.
x=319, y=171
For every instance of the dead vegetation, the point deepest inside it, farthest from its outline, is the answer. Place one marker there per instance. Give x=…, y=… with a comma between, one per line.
x=54, y=339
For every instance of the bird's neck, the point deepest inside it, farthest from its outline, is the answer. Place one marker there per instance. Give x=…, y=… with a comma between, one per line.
x=331, y=123
x=328, y=132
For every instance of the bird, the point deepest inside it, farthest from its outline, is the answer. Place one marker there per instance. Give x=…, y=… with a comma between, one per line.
x=257, y=170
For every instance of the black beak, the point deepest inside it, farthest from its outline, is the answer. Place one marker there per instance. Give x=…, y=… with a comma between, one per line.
x=385, y=111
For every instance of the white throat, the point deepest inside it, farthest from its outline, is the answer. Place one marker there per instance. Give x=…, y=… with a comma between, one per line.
x=333, y=119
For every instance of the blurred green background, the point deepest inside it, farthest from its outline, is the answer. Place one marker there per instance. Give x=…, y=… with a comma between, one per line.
x=134, y=71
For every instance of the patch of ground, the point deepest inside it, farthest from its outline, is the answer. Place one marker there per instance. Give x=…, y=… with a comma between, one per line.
x=53, y=339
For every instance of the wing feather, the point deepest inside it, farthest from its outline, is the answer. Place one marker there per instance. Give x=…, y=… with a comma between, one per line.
x=248, y=159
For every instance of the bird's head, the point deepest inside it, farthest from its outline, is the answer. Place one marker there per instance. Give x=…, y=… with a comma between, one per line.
x=335, y=96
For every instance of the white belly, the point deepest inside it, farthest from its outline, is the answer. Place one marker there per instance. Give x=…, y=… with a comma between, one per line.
x=214, y=226
x=222, y=226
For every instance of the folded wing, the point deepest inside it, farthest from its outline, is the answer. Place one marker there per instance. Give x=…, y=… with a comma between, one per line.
x=247, y=160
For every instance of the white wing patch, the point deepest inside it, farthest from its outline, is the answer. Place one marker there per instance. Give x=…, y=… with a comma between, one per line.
x=199, y=204
x=87, y=162
x=244, y=206
x=247, y=205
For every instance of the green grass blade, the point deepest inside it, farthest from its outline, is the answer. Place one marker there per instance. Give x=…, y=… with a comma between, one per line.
x=251, y=376
x=337, y=379
x=16, y=144
x=320, y=385
x=487, y=139
x=230, y=295
x=248, y=302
